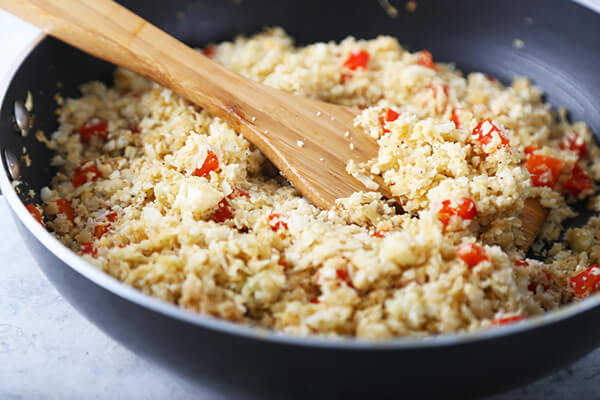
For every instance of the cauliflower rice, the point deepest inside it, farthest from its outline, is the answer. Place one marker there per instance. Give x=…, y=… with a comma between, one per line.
x=172, y=201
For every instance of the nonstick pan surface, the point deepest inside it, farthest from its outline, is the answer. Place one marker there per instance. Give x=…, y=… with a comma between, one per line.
x=561, y=55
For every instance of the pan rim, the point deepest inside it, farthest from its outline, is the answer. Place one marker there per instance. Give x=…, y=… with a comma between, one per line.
x=593, y=5
x=118, y=288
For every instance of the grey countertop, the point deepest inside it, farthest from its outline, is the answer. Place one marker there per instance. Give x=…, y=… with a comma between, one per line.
x=48, y=351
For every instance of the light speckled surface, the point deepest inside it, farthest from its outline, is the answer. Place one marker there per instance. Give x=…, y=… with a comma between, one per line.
x=48, y=351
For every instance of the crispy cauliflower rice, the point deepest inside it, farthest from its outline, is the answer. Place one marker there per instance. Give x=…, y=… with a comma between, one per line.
x=159, y=194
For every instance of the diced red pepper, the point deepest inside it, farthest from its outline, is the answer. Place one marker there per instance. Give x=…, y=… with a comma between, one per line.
x=489, y=78
x=222, y=212
x=64, y=207
x=239, y=192
x=33, y=210
x=380, y=233
x=446, y=212
x=471, y=254
x=343, y=276
x=586, y=282
x=521, y=263
x=279, y=223
x=454, y=118
x=485, y=138
x=389, y=116
x=546, y=285
x=88, y=248
x=544, y=170
x=274, y=216
x=357, y=59
x=579, y=183
x=466, y=210
x=282, y=262
x=507, y=320
x=573, y=142
x=425, y=59
x=87, y=132
x=85, y=174
x=112, y=217
x=210, y=51
x=100, y=230
x=532, y=148
x=211, y=163
x=315, y=301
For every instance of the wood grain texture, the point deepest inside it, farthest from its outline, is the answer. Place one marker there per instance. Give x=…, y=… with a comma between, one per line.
x=275, y=121
x=304, y=138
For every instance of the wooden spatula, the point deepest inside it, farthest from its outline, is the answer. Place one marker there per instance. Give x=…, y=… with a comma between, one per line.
x=309, y=141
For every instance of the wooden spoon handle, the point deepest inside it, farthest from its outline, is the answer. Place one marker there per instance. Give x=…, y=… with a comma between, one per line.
x=111, y=32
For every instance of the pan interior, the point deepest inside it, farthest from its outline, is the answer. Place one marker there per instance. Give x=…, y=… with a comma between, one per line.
x=557, y=54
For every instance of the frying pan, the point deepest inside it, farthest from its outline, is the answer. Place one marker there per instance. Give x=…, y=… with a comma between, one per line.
x=561, y=54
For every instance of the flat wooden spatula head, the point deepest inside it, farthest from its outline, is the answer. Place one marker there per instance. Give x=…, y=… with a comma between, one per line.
x=312, y=146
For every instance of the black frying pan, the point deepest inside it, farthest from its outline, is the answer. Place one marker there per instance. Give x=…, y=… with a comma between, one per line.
x=561, y=54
